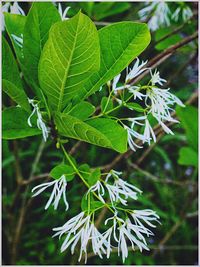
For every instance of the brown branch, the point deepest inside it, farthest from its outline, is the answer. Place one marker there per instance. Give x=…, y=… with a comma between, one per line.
x=35, y=178
x=24, y=208
x=157, y=179
x=75, y=148
x=183, y=216
x=148, y=150
x=157, y=60
x=17, y=162
x=176, y=30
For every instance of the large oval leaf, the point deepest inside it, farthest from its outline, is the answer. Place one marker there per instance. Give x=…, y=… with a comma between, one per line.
x=120, y=43
x=100, y=132
x=38, y=23
x=70, y=56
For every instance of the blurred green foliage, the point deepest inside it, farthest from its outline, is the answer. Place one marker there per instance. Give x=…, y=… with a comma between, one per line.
x=167, y=174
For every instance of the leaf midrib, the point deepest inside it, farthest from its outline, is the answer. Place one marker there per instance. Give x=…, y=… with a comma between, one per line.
x=67, y=70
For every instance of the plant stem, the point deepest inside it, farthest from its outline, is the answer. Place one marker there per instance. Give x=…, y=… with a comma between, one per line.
x=82, y=178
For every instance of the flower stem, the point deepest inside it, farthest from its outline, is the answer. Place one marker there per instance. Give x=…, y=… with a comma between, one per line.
x=81, y=177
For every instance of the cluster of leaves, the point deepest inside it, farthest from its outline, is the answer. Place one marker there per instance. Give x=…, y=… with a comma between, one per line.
x=40, y=65
x=66, y=61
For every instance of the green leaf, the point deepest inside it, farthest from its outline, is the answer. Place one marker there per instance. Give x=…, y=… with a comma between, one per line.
x=113, y=132
x=82, y=110
x=90, y=175
x=106, y=104
x=94, y=176
x=38, y=23
x=189, y=120
x=120, y=43
x=135, y=106
x=15, y=26
x=188, y=157
x=100, y=132
x=63, y=169
x=11, y=82
x=9, y=65
x=106, y=9
x=87, y=7
x=69, y=57
x=94, y=204
x=14, y=124
x=18, y=95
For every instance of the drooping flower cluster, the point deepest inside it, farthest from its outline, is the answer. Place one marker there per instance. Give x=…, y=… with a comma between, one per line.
x=59, y=190
x=158, y=102
x=158, y=14
x=40, y=123
x=125, y=225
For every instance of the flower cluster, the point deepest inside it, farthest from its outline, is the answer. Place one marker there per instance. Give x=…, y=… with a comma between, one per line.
x=125, y=226
x=59, y=190
x=158, y=102
x=158, y=14
x=40, y=123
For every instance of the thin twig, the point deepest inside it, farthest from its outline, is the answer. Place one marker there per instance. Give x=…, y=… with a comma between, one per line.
x=75, y=148
x=183, y=215
x=157, y=60
x=159, y=180
x=23, y=209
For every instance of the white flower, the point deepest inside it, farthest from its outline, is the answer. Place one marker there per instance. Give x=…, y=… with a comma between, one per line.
x=186, y=13
x=59, y=190
x=158, y=12
x=160, y=101
x=131, y=136
x=147, y=216
x=155, y=78
x=135, y=232
x=16, y=9
x=18, y=40
x=120, y=190
x=115, y=81
x=106, y=241
x=175, y=15
x=40, y=124
x=125, y=233
x=135, y=91
x=99, y=243
x=136, y=70
x=80, y=228
x=148, y=132
x=116, y=220
x=147, y=135
x=63, y=14
x=100, y=190
x=4, y=8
